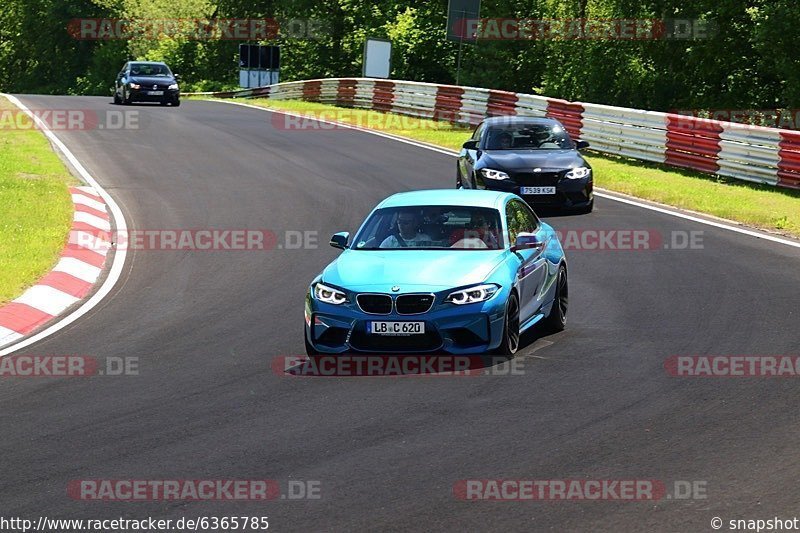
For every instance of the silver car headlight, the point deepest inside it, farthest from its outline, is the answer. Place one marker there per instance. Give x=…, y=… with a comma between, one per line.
x=578, y=173
x=494, y=174
x=173, y=86
x=135, y=86
x=329, y=295
x=479, y=293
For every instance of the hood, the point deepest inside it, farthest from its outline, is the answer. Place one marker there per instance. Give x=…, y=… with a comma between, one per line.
x=523, y=160
x=152, y=80
x=411, y=270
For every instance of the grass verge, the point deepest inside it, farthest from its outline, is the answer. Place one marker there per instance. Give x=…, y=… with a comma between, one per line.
x=760, y=206
x=35, y=204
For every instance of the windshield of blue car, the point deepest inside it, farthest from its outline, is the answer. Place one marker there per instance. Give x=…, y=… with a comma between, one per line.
x=431, y=228
x=528, y=137
x=150, y=70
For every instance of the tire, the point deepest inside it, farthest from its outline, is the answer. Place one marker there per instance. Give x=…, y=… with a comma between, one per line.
x=310, y=350
x=117, y=100
x=556, y=320
x=176, y=103
x=126, y=98
x=510, y=343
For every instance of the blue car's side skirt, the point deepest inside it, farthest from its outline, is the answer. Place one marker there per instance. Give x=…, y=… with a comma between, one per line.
x=530, y=322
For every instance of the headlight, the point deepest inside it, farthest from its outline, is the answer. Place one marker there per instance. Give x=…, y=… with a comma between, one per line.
x=578, y=173
x=329, y=295
x=135, y=86
x=493, y=174
x=173, y=86
x=479, y=293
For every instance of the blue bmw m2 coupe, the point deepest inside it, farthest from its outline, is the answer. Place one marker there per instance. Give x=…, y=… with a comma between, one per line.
x=451, y=271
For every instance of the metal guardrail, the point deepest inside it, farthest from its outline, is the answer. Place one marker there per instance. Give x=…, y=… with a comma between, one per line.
x=751, y=153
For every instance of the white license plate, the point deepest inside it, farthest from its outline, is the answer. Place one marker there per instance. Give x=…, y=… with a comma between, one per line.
x=155, y=93
x=537, y=190
x=396, y=328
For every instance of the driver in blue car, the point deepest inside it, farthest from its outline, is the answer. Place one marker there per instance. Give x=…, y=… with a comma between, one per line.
x=408, y=233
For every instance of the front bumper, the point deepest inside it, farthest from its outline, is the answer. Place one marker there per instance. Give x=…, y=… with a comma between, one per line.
x=140, y=95
x=570, y=193
x=567, y=197
x=468, y=329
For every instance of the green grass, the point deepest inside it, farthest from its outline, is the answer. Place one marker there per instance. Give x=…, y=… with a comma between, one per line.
x=35, y=205
x=760, y=206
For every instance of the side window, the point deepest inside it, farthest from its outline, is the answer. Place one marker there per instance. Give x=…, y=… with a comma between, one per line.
x=476, y=136
x=531, y=220
x=520, y=219
x=514, y=221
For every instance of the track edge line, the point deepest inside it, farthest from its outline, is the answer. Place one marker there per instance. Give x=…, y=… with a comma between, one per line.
x=731, y=225
x=118, y=262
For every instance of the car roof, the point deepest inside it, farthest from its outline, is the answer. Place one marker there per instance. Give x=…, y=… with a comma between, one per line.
x=149, y=63
x=505, y=120
x=459, y=197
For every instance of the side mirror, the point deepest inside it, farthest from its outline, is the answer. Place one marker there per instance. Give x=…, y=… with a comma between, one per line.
x=580, y=145
x=339, y=240
x=526, y=241
x=470, y=145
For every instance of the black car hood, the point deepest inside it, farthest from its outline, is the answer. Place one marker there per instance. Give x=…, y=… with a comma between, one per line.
x=153, y=80
x=530, y=159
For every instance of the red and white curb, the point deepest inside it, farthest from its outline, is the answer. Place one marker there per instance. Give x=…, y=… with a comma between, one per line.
x=32, y=317
x=73, y=277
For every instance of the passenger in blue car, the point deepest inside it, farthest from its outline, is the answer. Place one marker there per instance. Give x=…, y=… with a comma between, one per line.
x=479, y=234
x=408, y=232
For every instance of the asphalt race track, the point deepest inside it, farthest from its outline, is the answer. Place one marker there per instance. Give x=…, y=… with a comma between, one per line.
x=594, y=402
